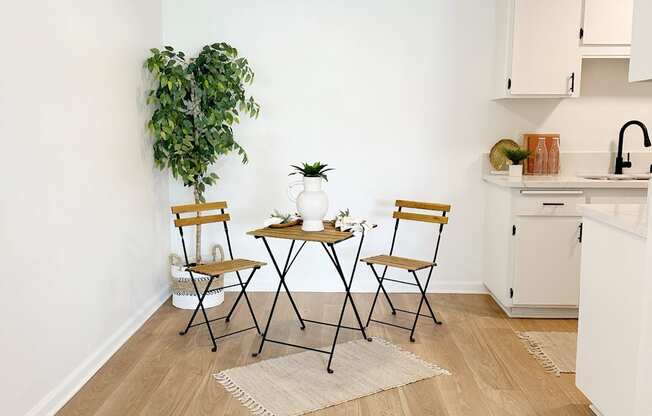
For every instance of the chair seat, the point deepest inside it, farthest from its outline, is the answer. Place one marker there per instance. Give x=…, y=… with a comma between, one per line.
x=214, y=269
x=398, y=262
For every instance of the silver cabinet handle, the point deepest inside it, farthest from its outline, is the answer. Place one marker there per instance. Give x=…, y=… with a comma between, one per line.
x=551, y=192
x=560, y=192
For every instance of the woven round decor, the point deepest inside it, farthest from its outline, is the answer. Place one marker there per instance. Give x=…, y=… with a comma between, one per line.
x=497, y=157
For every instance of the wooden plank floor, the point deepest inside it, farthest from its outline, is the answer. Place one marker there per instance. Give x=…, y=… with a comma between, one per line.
x=158, y=372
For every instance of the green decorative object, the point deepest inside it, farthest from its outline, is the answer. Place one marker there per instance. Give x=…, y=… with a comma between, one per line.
x=516, y=154
x=196, y=101
x=316, y=170
x=497, y=157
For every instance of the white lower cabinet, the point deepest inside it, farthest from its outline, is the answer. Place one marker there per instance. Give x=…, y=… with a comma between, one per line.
x=546, y=261
x=611, y=329
x=532, y=247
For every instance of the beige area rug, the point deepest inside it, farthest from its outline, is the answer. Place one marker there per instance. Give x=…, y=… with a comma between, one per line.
x=554, y=350
x=298, y=383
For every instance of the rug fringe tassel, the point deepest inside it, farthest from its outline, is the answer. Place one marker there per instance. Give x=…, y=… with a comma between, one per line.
x=440, y=371
x=536, y=349
x=246, y=400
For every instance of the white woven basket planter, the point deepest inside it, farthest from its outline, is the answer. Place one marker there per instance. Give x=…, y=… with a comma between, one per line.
x=183, y=291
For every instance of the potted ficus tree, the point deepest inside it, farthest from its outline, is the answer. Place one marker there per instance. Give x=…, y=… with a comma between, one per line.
x=516, y=155
x=196, y=101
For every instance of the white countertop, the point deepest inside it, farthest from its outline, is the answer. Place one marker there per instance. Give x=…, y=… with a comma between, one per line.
x=562, y=182
x=627, y=217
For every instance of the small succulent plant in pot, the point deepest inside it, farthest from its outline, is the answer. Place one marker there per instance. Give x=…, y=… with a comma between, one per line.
x=516, y=156
x=312, y=202
x=315, y=170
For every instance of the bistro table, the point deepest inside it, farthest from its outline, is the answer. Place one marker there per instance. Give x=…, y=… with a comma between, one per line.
x=327, y=238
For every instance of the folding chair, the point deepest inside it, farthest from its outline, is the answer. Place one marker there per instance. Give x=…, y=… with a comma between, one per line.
x=214, y=270
x=410, y=265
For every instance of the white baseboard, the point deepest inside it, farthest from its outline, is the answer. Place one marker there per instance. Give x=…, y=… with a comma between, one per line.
x=595, y=410
x=370, y=287
x=434, y=287
x=59, y=396
x=544, y=312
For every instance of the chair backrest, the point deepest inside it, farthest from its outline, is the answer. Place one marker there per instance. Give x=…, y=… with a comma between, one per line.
x=442, y=219
x=438, y=219
x=180, y=222
x=197, y=208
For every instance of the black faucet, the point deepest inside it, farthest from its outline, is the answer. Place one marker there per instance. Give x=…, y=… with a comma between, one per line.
x=620, y=163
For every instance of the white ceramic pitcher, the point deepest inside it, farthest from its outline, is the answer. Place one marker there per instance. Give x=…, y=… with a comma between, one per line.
x=312, y=202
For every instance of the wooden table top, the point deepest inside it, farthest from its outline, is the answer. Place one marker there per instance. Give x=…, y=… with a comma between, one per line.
x=329, y=235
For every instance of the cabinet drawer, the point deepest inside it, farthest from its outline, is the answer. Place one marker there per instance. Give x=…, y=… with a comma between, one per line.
x=549, y=203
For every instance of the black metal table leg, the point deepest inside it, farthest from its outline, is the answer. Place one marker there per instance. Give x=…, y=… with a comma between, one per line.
x=281, y=283
x=282, y=275
x=269, y=320
x=347, y=288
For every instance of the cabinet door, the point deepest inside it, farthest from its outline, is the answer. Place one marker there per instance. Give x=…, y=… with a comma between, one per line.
x=545, y=47
x=547, y=261
x=640, y=63
x=608, y=22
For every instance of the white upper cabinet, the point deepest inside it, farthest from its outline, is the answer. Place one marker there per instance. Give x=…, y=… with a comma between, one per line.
x=607, y=22
x=537, y=51
x=640, y=63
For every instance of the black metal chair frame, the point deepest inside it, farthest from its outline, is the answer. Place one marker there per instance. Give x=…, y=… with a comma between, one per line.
x=422, y=288
x=332, y=255
x=201, y=296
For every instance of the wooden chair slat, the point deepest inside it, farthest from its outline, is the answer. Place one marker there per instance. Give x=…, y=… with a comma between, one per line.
x=423, y=205
x=228, y=266
x=420, y=217
x=206, y=206
x=398, y=262
x=183, y=222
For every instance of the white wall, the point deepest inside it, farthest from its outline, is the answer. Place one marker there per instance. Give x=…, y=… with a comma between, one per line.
x=83, y=213
x=396, y=97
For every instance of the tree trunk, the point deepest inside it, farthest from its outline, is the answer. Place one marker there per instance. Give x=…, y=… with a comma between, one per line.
x=198, y=231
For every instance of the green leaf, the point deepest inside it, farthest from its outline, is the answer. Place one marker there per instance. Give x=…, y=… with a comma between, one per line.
x=194, y=104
